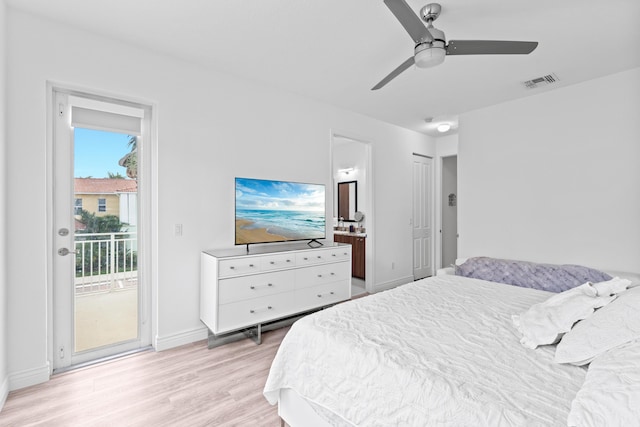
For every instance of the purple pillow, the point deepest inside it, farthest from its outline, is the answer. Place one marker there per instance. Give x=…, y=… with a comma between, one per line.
x=547, y=277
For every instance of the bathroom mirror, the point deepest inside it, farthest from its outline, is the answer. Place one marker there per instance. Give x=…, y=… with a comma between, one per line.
x=347, y=200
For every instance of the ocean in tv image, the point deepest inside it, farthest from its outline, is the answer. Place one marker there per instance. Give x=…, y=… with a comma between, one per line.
x=276, y=211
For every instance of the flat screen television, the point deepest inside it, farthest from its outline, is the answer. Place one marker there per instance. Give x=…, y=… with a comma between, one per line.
x=278, y=211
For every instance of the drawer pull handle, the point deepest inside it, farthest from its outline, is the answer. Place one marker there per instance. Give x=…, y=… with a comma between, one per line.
x=251, y=265
x=333, y=254
x=320, y=295
x=288, y=260
x=319, y=275
x=232, y=268
x=272, y=262
x=255, y=311
x=333, y=274
x=254, y=287
x=319, y=256
x=305, y=258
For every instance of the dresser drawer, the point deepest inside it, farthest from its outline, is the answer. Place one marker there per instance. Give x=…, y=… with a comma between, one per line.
x=339, y=254
x=319, y=256
x=250, y=312
x=320, y=274
x=318, y=296
x=254, y=286
x=274, y=262
x=237, y=267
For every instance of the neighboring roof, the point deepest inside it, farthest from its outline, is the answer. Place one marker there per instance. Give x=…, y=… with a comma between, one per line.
x=104, y=186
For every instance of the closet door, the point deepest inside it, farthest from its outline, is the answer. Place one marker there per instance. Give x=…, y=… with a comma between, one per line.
x=422, y=217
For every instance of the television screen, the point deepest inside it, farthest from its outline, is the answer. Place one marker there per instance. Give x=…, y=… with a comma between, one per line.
x=278, y=211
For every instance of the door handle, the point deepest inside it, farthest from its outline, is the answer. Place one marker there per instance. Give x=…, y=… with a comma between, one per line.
x=65, y=251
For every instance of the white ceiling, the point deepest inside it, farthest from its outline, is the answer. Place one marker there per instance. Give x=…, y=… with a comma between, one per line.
x=336, y=50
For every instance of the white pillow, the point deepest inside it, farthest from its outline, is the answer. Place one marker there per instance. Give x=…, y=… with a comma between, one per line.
x=611, y=326
x=610, y=395
x=633, y=277
x=545, y=322
x=611, y=287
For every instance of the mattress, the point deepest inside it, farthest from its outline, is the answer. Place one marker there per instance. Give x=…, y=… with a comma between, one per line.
x=439, y=351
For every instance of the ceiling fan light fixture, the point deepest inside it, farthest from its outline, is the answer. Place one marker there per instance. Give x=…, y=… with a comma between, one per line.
x=443, y=127
x=430, y=57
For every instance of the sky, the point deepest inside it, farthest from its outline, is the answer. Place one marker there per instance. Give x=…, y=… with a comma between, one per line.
x=97, y=152
x=279, y=195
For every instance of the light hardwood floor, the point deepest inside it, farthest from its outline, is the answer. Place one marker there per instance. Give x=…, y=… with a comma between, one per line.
x=186, y=386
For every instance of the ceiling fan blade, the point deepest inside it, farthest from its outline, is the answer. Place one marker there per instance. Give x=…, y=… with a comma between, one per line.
x=406, y=64
x=409, y=20
x=489, y=47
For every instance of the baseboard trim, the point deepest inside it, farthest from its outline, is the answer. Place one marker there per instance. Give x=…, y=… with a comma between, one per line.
x=378, y=287
x=29, y=377
x=181, y=338
x=4, y=392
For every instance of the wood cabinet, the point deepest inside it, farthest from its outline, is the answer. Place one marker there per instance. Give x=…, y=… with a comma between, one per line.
x=240, y=290
x=358, y=244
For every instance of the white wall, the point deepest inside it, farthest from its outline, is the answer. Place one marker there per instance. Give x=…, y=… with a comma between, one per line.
x=4, y=378
x=211, y=128
x=554, y=177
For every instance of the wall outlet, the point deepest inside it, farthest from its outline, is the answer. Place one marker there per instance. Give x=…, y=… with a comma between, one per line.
x=177, y=230
x=393, y=265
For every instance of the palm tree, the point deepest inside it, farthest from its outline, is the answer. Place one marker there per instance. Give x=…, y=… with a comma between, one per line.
x=116, y=175
x=130, y=160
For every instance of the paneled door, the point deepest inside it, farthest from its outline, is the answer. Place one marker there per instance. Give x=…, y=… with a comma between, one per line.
x=422, y=217
x=100, y=303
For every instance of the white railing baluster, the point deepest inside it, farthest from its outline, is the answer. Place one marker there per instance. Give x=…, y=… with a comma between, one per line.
x=102, y=264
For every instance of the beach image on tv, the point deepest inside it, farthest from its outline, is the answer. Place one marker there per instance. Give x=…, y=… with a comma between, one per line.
x=276, y=211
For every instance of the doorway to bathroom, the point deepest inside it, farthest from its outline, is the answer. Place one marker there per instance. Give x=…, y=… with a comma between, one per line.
x=353, y=206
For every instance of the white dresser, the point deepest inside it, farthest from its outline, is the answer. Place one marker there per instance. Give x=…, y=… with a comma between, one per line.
x=240, y=290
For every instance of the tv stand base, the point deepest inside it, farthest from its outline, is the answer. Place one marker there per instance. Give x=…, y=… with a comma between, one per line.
x=253, y=332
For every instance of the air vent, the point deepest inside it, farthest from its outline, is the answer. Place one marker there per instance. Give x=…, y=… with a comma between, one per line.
x=541, y=81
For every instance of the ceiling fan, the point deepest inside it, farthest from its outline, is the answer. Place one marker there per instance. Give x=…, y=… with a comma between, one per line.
x=430, y=43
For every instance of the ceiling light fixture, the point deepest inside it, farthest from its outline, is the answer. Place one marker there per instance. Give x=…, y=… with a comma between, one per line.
x=443, y=127
x=345, y=170
x=430, y=56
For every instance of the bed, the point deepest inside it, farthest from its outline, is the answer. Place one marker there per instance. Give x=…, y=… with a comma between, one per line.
x=439, y=351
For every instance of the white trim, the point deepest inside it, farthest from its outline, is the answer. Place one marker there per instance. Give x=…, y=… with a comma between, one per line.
x=148, y=178
x=4, y=392
x=181, y=338
x=442, y=151
x=393, y=283
x=109, y=107
x=29, y=377
x=369, y=208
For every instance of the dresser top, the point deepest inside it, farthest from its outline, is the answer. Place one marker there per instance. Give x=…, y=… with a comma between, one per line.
x=270, y=249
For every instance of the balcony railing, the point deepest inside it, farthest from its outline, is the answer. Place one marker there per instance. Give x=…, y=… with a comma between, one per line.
x=106, y=261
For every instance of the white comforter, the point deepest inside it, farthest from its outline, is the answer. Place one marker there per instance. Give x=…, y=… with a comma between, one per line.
x=440, y=351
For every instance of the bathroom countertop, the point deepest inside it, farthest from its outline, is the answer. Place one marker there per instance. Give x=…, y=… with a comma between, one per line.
x=348, y=233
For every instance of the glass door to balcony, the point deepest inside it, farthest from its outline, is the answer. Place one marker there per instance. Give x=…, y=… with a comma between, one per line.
x=105, y=240
x=99, y=304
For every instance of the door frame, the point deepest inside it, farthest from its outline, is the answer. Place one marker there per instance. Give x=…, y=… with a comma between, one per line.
x=441, y=207
x=368, y=207
x=444, y=150
x=147, y=206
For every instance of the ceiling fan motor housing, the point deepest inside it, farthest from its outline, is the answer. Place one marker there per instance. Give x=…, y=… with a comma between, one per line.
x=439, y=41
x=430, y=12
